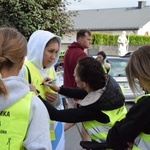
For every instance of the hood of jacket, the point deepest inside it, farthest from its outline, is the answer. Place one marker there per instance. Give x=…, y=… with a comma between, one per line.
x=17, y=88
x=108, y=98
x=36, y=45
x=75, y=45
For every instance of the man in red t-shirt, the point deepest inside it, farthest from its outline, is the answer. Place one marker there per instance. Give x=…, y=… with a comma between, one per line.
x=73, y=53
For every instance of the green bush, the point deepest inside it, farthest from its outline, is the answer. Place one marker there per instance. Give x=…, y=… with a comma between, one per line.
x=110, y=39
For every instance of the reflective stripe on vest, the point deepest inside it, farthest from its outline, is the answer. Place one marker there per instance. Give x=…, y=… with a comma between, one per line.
x=37, y=79
x=52, y=133
x=104, y=68
x=122, y=88
x=17, y=115
x=98, y=131
x=142, y=142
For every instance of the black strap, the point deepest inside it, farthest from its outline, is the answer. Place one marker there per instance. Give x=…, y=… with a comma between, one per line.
x=91, y=145
x=29, y=79
x=29, y=75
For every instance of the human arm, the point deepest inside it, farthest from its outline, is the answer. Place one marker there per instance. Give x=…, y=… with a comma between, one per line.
x=128, y=129
x=38, y=136
x=76, y=93
x=107, y=65
x=75, y=115
x=67, y=91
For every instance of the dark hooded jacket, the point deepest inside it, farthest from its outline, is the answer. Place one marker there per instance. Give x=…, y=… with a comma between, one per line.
x=112, y=98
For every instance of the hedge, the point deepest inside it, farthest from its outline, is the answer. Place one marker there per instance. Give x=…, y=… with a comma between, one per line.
x=110, y=39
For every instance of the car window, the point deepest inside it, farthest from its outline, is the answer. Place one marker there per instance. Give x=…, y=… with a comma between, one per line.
x=118, y=67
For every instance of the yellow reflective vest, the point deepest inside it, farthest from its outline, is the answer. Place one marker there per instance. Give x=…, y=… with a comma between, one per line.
x=104, y=68
x=142, y=142
x=98, y=131
x=17, y=115
x=37, y=79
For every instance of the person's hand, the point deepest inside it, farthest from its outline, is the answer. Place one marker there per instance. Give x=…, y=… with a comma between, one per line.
x=46, y=79
x=106, y=65
x=52, y=85
x=130, y=146
x=33, y=89
x=51, y=97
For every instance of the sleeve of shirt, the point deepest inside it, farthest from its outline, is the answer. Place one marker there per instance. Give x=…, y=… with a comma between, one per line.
x=129, y=128
x=74, y=115
x=41, y=138
x=73, y=92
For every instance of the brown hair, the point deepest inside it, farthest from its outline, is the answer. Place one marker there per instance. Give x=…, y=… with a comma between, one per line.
x=53, y=40
x=139, y=67
x=13, y=48
x=81, y=33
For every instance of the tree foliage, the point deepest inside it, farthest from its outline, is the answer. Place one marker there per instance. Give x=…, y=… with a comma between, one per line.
x=30, y=15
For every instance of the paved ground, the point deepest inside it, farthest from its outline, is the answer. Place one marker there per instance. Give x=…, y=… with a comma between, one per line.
x=73, y=138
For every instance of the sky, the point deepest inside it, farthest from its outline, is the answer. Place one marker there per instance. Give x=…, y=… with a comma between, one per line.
x=100, y=4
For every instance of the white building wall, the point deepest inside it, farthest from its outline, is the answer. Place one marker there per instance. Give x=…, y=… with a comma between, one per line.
x=145, y=30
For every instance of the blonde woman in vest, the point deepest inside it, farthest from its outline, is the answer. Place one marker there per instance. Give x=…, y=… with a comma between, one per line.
x=102, y=101
x=134, y=130
x=20, y=124
x=43, y=50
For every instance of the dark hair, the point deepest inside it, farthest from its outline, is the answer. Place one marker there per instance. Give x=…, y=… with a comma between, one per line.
x=81, y=33
x=90, y=71
x=54, y=39
x=102, y=53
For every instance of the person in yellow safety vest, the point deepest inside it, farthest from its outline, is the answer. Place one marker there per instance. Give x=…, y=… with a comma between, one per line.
x=43, y=52
x=134, y=130
x=19, y=108
x=102, y=101
x=102, y=58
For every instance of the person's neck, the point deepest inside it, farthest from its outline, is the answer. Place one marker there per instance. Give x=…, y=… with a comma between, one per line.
x=9, y=72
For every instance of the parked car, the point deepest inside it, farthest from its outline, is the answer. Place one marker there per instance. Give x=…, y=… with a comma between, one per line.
x=117, y=70
x=118, y=64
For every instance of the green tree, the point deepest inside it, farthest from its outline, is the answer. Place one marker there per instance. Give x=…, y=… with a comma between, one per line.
x=30, y=15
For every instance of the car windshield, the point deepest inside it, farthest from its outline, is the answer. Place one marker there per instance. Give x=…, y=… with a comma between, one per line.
x=118, y=67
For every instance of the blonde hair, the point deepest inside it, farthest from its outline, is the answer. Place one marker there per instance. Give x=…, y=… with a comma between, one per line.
x=13, y=48
x=139, y=67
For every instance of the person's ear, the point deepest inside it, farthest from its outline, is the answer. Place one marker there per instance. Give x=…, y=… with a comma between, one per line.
x=84, y=85
x=80, y=41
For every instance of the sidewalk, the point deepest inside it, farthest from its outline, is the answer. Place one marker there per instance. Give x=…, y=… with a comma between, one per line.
x=73, y=138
